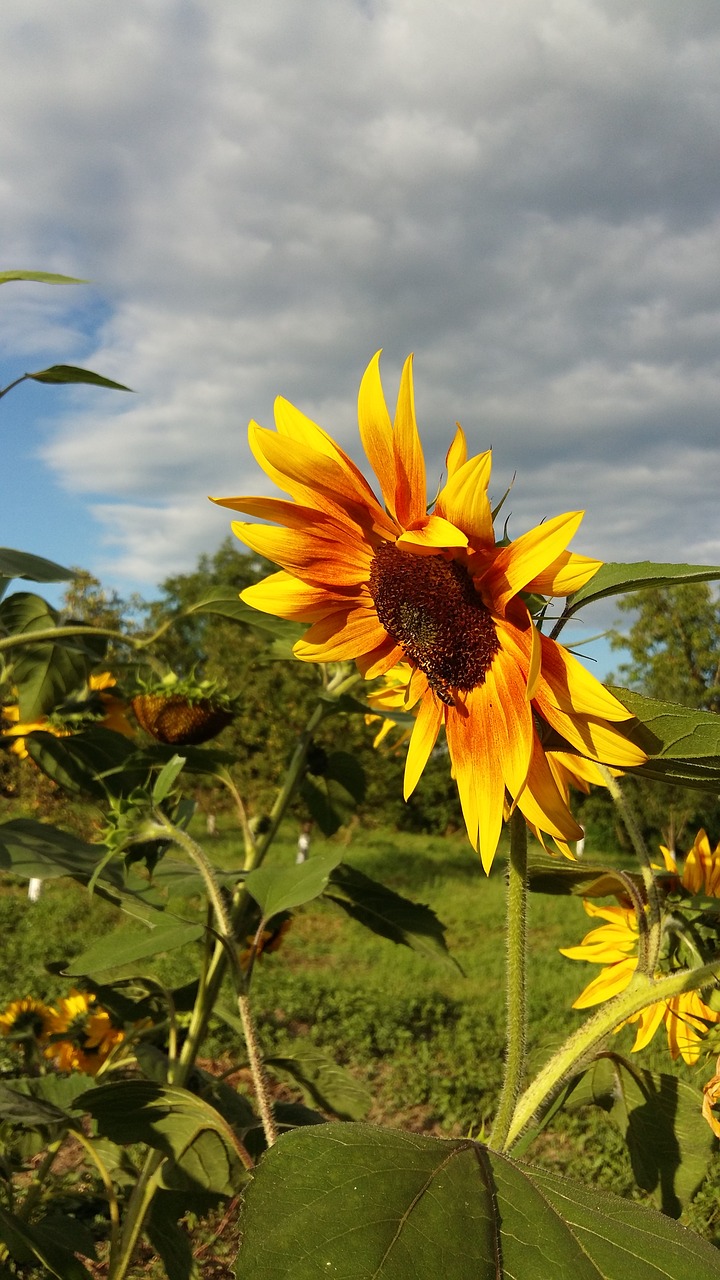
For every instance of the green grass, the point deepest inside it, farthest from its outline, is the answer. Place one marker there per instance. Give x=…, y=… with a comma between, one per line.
x=426, y=1037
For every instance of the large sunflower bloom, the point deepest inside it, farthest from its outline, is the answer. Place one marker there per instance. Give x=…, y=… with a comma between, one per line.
x=381, y=584
x=614, y=945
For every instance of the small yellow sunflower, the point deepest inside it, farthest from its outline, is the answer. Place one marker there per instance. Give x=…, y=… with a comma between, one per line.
x=82, y=1034
x=701, y=872
x=26, y=1018
x=614, y=945
x=382, y=584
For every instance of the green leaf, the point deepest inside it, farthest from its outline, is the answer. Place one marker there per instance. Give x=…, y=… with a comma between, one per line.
x=684, y=744
x=169, y=1241
x=30, y=1245
x=659, y=1116
x=20, y=564
x=118, y=951
x=96, y=762
x=40, y=277
x=278, y=889
x=36, y=850
x=17, y=1108
x=616, y=579
x=200, y=1146
x=166, y=778
x=70, y=373
x=332, y=788
x=321, y=1080
x=387, y=913
x=353, y=1201
x=44, y=671
x=226, y=603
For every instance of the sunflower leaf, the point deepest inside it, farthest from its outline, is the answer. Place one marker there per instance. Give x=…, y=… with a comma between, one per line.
x=20, y=564
x=321, y=1080
x=668, y=1141
x=65, y=373
x=39, y=277
x=684, y=745
x=616, y=579
x=277, y=889
x=353, y=1200
x=387, y=913
x=32, y=1244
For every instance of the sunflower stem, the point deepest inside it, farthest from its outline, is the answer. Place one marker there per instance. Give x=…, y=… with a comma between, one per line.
x=654, y=917
x=580, y=1047
x=516, y=976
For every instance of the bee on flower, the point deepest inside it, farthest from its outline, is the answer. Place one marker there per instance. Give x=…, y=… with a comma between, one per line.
x=396, y=581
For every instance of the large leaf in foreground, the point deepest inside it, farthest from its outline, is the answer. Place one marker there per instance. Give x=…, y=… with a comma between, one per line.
x=659, y=1116
x=354, y=1201
x=615, y=579
x=388, y=913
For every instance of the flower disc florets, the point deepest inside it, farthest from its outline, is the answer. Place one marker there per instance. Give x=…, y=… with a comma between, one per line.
x=430, y=606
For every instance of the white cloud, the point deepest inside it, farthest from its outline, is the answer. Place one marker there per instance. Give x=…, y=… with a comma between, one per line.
x=526, y=195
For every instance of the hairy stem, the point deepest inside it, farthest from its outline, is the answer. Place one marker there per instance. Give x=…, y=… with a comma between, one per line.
x=516, y=976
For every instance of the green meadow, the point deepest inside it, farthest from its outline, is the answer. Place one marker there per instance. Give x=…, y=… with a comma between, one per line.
x=423, y=1036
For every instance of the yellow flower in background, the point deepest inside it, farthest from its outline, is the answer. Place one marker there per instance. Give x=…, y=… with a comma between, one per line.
x=115, y=709
x=390, y=695
x=85, y=1031
x=701, y=872
x=18, y=731
x=383, y=584
x=711, y=1100
x=614, y=945
x=27, y=1017
x=114, y=717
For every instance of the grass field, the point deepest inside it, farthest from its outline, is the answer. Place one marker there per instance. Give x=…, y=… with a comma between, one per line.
x=425, y=1037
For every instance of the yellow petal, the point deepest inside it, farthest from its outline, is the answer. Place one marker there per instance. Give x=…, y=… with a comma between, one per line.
x=506, y=691
x=571, y=688
x=343, y=635
x=286, y=597
x=609, y=983
x=380, y=660
x=457, y=453
x=432, y=534
x=464, y=499
x=315, y=559
x=424, y=737
x=411, y=484
x=376, y=431
x=528, y=556
x=567, y=573
x=649, y=1020
x=541, y=802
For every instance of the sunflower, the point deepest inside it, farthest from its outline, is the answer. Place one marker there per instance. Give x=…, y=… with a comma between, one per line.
x=701, y=872
x=385, y=583
x=82, y=1034
x=26, y=1018
x=390, y=695
x=614, y=945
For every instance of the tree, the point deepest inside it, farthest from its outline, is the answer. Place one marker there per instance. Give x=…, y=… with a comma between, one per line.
x=674, y=655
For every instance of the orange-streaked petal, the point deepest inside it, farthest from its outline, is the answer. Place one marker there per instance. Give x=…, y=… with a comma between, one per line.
x=341, y=636
x=541, y=801
x=411, y=483
x=457, y=453
x=698, y=864
x=506, y=691
x=528, y=556
x=572, y=688
x=305, y=470
x=610, y=982
x=464, y=499
x=567, y=574
x=432, y=534
x=376, y=431
x=472, y=735
x=592, y=737
x=424, y=736
x=380, y=660
x=292, y=515
x=316, y=560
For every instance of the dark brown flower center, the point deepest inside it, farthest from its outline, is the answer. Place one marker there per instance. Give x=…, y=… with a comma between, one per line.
x=430, y=607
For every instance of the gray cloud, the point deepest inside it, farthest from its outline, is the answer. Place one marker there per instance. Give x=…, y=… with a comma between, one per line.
x=527, y=196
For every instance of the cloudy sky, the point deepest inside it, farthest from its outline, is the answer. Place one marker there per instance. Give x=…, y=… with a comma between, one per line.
x=525, y=194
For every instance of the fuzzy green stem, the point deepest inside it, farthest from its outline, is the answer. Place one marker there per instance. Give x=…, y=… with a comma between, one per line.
x=138, y=1209
x=257, y=1070
x=580, y=1047
x=516, y=977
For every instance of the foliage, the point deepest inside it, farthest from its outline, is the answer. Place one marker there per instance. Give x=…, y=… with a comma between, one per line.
x=112, y=1069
